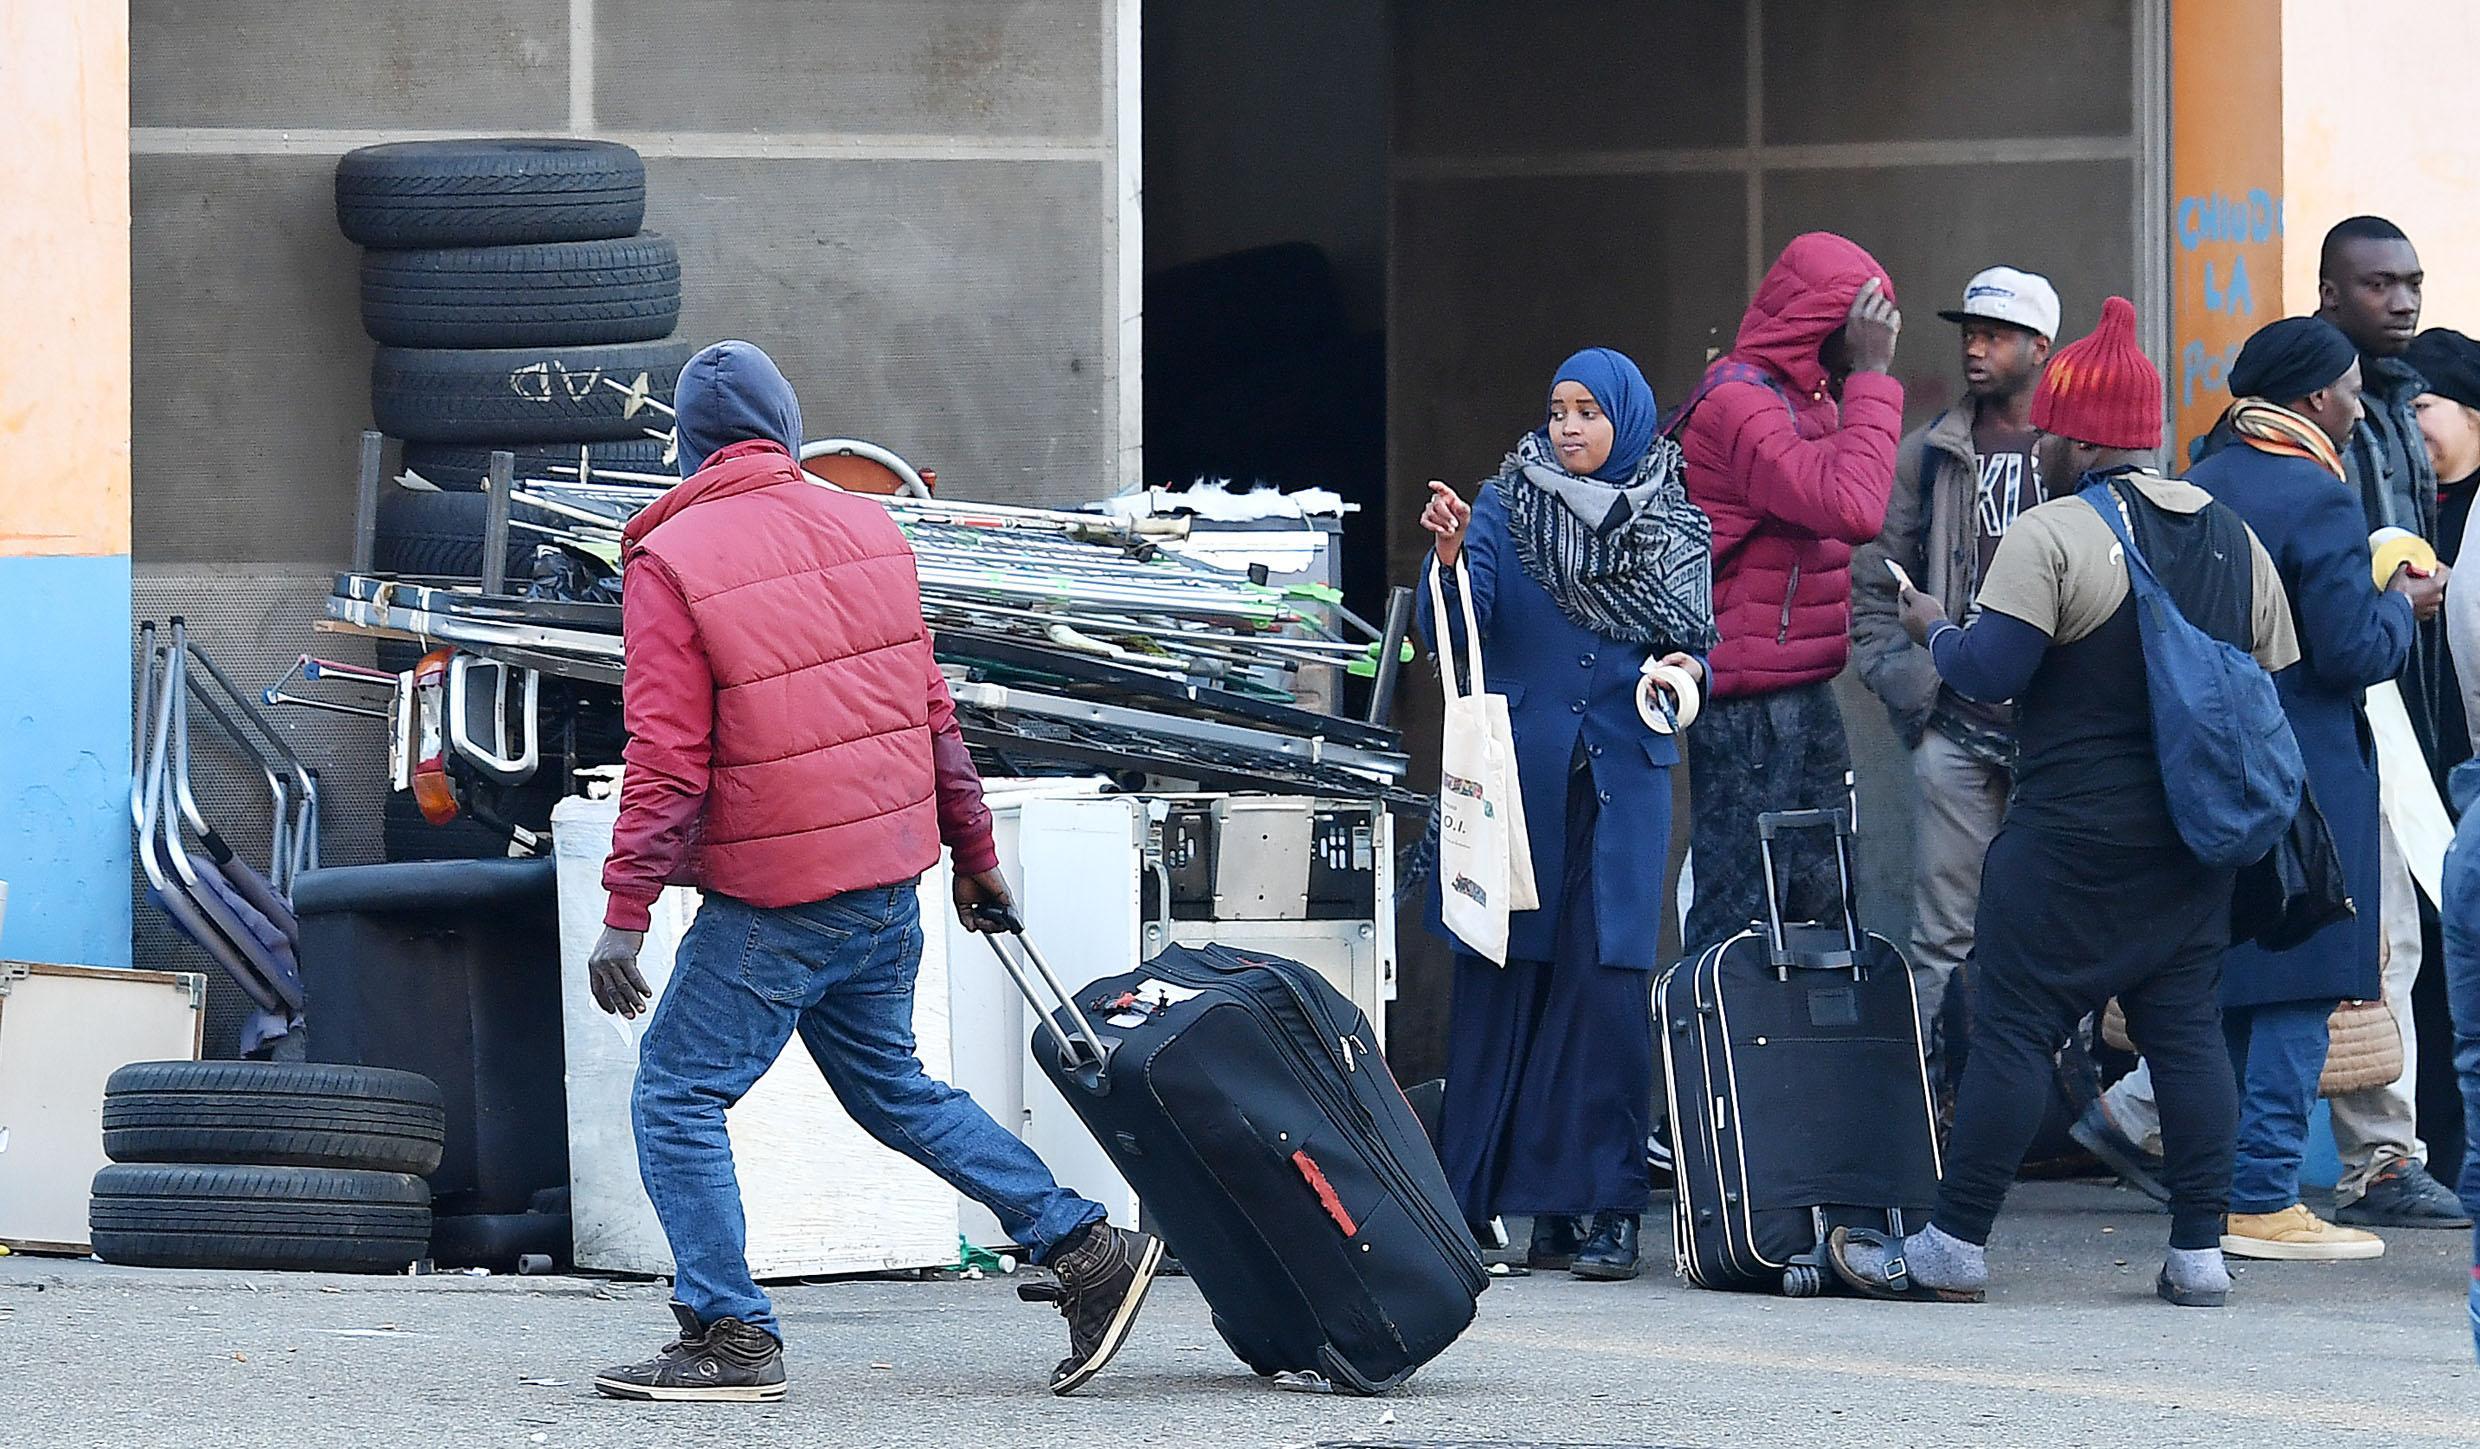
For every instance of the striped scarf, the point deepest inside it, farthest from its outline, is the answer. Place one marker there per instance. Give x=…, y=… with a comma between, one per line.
x=1642, y=573
x=2271, y=428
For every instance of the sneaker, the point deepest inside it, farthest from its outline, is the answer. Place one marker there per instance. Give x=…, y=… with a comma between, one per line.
x=1103, y=1273
x=2404, y=1196
x=725, y=1361
x=2296, y=1235
x=2139, y=1169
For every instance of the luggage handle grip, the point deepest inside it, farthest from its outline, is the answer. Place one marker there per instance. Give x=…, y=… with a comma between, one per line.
x=1772, y=823
x=1085, y=1053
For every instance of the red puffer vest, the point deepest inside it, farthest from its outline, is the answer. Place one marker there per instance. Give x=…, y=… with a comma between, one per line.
x=808, y=609
x=1791, y=482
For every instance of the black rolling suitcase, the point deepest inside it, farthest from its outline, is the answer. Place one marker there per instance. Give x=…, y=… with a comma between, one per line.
x=1243, y=1099
x=1799, y=1101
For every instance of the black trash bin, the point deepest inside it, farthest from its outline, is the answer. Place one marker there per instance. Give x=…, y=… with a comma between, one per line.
x=452, y=969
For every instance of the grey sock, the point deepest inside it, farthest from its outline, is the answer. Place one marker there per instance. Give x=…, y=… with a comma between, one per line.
x=1940, y=1260
x=2197, y=1270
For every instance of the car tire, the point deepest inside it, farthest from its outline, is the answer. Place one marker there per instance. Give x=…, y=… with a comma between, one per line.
x=306, y=1219
x=536, y=394
x=275, y=1114
x=489, y=192
x=461, y=467
x=551, y=294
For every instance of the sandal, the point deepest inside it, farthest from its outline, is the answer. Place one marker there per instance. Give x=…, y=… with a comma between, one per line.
x=1898, y=1286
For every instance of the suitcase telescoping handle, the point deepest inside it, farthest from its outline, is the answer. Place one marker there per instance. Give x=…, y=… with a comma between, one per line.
x=1784, y=953
x=1085, y=1053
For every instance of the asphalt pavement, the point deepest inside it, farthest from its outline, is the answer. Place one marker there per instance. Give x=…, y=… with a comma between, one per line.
x=2071, y=1350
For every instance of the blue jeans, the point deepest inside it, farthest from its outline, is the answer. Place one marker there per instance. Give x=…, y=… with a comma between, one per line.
x=2277, y=1050
x=2462, y=952
x=840, y=972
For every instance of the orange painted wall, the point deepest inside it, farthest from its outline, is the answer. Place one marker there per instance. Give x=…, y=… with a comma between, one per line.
x=64, y=305
x=2226, y=197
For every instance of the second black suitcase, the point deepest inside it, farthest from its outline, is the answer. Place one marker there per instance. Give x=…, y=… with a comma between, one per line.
x=1242, y=1097
x=1798, y=1097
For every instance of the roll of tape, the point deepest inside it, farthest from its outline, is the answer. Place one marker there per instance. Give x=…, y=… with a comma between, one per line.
x=1686, y=698
x=2391, y=548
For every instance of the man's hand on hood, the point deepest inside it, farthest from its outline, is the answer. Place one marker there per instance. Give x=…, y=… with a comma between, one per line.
x=1869, y=335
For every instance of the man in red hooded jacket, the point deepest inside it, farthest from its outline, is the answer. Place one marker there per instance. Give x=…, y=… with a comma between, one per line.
x=1790, y=444
x=793, y=751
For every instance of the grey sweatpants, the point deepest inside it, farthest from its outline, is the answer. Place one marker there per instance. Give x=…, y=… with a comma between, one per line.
x=1962, y=804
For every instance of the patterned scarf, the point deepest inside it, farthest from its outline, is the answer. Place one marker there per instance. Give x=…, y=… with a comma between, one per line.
x=1632, y=562
x=2270, y=428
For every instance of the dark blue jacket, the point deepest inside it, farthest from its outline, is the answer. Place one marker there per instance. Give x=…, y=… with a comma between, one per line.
x=2350, y=637
x=1565, y=684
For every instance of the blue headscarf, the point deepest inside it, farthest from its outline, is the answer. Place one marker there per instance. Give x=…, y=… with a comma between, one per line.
x=1625, y=398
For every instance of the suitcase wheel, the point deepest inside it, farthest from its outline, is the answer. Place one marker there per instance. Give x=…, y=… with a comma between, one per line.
x=1801, y=1280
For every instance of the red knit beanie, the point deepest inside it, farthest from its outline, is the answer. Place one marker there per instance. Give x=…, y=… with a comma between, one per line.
x=2102, y=390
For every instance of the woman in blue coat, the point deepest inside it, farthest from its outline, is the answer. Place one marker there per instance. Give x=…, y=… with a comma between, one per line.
x=1585, y=559
x=2278, y=466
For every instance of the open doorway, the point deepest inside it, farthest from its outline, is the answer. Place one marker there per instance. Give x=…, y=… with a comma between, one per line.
x=1265, y=244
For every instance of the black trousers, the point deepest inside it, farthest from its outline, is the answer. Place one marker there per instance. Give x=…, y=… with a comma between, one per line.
x=2065, y=925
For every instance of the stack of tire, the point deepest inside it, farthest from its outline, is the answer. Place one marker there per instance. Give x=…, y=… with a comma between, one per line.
x=268, y=1166
x=506, y=281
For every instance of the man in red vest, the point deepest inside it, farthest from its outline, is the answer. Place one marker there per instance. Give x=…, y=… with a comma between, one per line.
x=793, y=752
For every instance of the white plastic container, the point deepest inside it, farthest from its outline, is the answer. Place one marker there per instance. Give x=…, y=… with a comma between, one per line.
x=821, y=1196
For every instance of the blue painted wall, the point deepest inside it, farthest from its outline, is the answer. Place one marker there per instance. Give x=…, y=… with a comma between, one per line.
x=64, y=759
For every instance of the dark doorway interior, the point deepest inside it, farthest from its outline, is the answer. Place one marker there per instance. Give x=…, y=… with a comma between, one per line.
x=1265, y=204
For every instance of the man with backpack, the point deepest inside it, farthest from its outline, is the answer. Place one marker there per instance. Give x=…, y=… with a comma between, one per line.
x=2092, y=888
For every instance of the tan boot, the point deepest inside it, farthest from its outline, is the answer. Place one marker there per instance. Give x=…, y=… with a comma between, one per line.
x=2297, y=1235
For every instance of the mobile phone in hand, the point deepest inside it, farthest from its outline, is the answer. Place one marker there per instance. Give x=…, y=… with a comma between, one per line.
x=1902, y=580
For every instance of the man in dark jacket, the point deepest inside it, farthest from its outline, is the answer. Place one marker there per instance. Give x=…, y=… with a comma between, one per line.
x=2368, y=286
x=793, y=751
x=2280, y=468
x=1959, y=484
x=1789, y=445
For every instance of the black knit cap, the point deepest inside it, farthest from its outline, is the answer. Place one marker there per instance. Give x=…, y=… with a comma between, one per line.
x=2451, y=363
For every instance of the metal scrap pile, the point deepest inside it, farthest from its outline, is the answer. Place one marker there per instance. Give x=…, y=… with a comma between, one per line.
x=1071, y=640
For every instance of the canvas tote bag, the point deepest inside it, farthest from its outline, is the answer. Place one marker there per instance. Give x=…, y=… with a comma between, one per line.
x=1485, y=856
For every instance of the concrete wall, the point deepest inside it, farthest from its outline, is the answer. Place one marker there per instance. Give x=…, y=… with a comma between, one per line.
x=916, y=204
x=64, y=483
x=925, y=209
x=1623, y=173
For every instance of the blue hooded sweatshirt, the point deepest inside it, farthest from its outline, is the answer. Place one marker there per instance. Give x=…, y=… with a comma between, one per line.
x=733, y=393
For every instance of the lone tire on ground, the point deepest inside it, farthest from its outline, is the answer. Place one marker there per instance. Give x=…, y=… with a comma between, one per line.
x=536, y=394
x=489, y=193
x=311, y=1219
x=291, y=1114
x=551, y=294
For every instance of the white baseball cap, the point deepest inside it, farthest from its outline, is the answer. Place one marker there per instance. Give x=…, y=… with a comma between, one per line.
x=2003, y=294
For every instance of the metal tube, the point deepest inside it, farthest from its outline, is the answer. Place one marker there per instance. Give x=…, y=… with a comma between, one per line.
x=366, y=504
x=174, y=898
x=1390, y=652
x=495, y=522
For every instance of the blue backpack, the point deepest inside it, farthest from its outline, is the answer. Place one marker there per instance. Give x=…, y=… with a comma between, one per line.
x=2228, y=759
